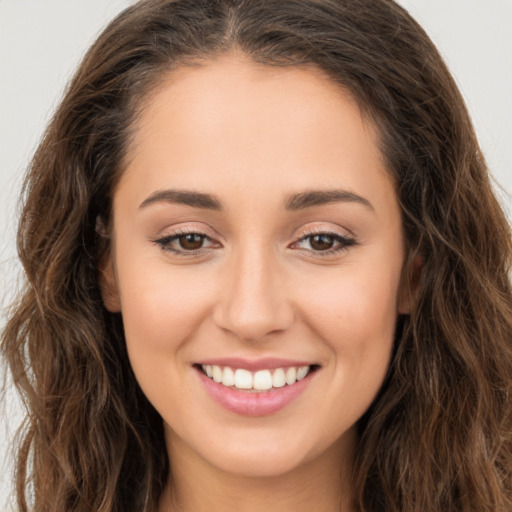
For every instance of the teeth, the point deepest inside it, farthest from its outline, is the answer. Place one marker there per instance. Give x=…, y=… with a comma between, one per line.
x=261, y=380
x=302, y=372
x=228, y=377
x=291, y=376
x=278, y=378
x=217, y=373
x=243, y=379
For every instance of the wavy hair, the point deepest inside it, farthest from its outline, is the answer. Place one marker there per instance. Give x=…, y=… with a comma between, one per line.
x=439, y=434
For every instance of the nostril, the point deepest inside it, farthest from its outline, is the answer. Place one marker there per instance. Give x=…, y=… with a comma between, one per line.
x=250, y=321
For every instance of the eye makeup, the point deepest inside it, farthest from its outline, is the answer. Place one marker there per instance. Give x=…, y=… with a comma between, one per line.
x=323, y=242
x=192, y=242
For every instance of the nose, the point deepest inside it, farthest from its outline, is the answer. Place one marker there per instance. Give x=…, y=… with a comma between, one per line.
x=253, y=301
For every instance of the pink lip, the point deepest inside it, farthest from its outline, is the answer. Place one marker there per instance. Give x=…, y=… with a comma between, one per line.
x=254, y=365
x=254, y=404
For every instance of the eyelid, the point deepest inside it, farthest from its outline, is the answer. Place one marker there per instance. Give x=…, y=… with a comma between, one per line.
x=345, y=240
x=342, y=240
x=186, y=228
x=165, y=241
x=323, y=229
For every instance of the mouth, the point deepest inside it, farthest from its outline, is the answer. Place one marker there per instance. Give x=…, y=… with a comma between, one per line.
x=255, y=387
x=264, y=380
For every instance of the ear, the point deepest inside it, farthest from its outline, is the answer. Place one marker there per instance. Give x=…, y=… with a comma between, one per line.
x=106, y=271
x=410, y=284
x=108, y=285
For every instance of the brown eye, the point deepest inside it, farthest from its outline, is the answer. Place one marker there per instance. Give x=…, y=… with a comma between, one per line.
x=187, y=244
x=324, y=244
x=321, y=242
x=191, y=241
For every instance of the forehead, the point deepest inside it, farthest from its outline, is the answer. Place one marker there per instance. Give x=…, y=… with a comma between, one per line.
x=229, y=123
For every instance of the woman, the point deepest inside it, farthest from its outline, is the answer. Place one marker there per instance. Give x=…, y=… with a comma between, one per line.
x=265, y=268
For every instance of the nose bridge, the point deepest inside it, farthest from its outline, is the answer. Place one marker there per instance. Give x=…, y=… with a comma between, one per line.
x=254, y=302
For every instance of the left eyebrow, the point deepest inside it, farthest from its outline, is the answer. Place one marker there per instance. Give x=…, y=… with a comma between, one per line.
x=312, y=198
x=186, y=197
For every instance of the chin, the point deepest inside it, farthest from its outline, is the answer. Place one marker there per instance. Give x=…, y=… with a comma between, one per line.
x=251, y=464
x=265, y=452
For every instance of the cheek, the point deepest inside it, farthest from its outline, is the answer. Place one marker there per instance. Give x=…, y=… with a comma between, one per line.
x=160, y=308
x=354, y=307
x=355, y=317
x=354, y=314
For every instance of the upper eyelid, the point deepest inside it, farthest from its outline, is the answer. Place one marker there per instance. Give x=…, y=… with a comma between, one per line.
x=318, y=230
x=212, y=234
x=165, y=243
x=178, y=234
x=347, y=239
x=187, y=229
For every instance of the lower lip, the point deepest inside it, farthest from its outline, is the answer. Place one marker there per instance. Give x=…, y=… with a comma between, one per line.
x=249, y=403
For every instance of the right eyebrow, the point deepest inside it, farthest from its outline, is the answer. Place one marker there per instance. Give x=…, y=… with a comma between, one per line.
x=186, y=197
x=312, y=198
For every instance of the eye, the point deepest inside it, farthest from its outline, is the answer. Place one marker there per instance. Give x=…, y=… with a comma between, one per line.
x=324, y=243
x=321, y=242
x=186, y=243
x=191, y=242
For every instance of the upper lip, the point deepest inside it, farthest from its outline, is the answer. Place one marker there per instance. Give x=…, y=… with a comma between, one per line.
x=267, y=363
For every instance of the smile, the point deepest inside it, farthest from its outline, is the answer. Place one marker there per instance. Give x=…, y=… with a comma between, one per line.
x=259, y=381
x=255, y=388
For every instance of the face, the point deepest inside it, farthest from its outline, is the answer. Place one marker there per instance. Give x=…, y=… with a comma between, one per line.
x=256, y=261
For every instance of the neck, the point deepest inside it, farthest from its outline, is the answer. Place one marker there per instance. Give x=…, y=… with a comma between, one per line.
x=322, y=484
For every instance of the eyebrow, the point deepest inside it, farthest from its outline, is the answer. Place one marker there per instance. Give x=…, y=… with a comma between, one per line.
x=300, y=201
x=312, y=198
x=186, y=197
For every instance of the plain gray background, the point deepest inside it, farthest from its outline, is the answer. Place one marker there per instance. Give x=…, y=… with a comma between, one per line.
x=41, y=42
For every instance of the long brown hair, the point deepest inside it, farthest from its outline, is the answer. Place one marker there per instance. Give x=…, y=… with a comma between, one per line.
x=439, y=435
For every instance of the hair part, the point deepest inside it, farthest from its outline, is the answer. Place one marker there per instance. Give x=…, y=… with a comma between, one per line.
x=439, y=435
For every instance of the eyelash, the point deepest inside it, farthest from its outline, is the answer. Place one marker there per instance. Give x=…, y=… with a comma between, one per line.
x=165, y=243
x=344, y=242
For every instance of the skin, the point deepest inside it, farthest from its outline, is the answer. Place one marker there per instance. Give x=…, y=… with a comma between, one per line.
x=253, y=136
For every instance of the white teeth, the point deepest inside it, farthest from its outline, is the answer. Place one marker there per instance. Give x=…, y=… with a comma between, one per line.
x=278, y=378
x=291, y=376
x=261, y=380
x=228, y=377
x=243, y=379
x=302, y=372
x=217, y=373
